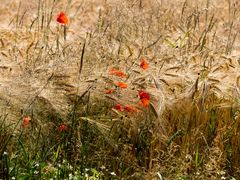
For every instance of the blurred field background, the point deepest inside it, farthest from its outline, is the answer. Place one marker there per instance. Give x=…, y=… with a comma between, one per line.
x=57, y=83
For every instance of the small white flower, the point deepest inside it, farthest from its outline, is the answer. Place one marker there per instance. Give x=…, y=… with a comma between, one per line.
x=86, y=169
x=5, y=153
x=102, y=167
x=113, y=173
x=13, y=178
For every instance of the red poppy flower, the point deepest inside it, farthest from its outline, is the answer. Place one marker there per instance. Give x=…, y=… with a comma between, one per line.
x=122, y=85
x=62, y=18
x=109, y=91
x=144, y=102
x=144, y=97
x=26, y=122
x=119, y=107
x=62, y=128
x=142, y=94
x=117, y=73
x=143, y=64
x=130, y=108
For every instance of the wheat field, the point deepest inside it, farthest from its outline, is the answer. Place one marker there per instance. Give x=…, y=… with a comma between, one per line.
x=65, y=79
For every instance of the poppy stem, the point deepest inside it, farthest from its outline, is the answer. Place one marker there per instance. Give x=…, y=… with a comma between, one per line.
x=65, y=32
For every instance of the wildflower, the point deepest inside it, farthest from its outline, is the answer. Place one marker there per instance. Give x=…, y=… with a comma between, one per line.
x=119, y=107
x=62, y=128
x=143, y=64
x=102, y=167
x=113, y=173
x=144, y=97
x=86, y=169
x=130, y=108
x=122, y=85
x=62, y=18
x=26, y=121
x=117, y=73
x=144, y=102
x=109, y=91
